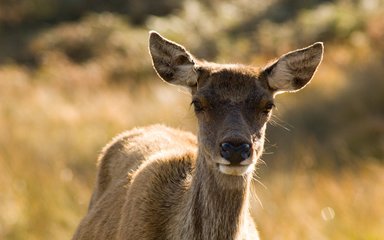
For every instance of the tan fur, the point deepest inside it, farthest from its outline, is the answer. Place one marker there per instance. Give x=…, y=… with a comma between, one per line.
x=161, y=183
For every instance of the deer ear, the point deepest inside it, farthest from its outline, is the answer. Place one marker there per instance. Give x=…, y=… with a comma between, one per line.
x=172, y=62
x=294, y=70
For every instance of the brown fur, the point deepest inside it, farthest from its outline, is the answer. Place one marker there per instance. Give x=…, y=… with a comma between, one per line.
x=160, y=183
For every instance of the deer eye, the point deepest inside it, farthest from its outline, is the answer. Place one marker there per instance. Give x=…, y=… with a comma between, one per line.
x=197, y=105
x=268, y=108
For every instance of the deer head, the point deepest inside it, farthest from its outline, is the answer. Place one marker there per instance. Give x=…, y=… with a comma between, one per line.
x=232, y=103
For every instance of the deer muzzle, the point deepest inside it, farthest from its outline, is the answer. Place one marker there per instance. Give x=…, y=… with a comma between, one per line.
x=235, y=153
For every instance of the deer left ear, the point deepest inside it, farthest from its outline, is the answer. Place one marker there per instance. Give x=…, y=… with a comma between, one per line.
x=294, y=70
x=172, y=62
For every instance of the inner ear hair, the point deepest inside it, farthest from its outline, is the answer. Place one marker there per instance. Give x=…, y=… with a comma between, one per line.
x=295, y=69
x=172, y=62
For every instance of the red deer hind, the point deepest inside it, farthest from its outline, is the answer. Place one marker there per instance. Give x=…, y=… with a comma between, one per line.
x=162, y=183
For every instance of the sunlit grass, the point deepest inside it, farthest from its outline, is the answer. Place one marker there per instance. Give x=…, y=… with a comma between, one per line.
x=51, y=139
x=91, y=79
x=322, y=204
x=49, y=142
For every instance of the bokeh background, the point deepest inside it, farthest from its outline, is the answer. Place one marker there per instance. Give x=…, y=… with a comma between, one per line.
x=74, y=73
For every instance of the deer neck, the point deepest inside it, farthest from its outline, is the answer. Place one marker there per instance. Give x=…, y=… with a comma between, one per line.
x=217, y=204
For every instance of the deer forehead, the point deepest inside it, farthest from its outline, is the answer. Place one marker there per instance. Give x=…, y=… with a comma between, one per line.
x=233, y=85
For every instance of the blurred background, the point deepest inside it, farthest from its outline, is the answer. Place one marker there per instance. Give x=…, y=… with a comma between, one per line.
x=74, y=73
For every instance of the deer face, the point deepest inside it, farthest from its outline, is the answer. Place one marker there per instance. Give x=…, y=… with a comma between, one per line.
x=232, y=103
x=232, y=106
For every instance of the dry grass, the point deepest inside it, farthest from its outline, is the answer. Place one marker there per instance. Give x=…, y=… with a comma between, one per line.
x=90, y=79
x=51, y=137
x=322, y=204
x=49, y=142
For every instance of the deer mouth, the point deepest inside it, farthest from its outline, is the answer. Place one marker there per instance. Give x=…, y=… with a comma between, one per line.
x=235, y=170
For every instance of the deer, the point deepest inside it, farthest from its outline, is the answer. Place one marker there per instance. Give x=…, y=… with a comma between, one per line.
x=158, y=182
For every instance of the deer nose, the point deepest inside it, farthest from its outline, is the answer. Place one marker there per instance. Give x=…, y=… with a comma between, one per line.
x=235, y=153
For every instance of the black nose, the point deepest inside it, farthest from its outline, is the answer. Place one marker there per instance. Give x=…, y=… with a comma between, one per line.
x=235, y=153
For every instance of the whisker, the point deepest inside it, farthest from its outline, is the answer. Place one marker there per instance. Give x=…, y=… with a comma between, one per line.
x=259, y=182
x=254, y=194
x=261, y=162
x=276, y=121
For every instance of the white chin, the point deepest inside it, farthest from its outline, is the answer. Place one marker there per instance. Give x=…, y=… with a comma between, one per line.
x=235, y=170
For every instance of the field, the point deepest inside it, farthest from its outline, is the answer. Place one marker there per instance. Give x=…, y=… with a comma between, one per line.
x=72, y=77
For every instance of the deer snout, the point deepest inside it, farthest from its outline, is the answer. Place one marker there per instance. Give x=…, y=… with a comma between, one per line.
x=235, y=153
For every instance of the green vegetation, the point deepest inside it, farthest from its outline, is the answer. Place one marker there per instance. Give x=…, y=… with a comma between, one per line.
x=74, y=74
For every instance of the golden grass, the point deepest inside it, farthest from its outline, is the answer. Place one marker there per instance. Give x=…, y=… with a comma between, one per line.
x=93, y=80
x=51, y=136
x=322, y=204
x=49, y=142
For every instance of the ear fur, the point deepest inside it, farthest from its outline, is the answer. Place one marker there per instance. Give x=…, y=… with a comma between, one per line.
x=172, y=62
x=294, y=70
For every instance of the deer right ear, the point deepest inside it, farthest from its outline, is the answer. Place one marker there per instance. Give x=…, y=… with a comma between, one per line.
x=294, y=70
x=172, y=62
